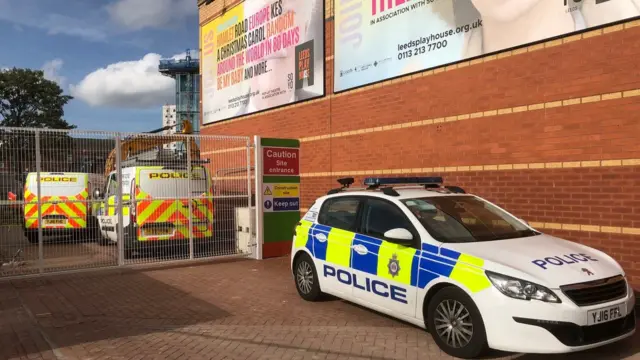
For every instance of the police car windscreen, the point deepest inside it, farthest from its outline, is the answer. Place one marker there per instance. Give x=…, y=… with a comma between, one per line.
x=57, y=185
x=465, y=219
x=168, y=183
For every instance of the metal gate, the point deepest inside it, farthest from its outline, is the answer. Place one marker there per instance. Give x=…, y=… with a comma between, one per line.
x=74, y=200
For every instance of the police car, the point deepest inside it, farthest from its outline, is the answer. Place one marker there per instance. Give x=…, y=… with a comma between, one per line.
x=471, y=273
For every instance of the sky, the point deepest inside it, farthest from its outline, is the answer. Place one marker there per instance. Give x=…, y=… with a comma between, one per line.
x=104, y=53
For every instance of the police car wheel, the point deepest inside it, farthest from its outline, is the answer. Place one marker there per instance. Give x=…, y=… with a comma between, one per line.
x=456, y=325
x=306, y=278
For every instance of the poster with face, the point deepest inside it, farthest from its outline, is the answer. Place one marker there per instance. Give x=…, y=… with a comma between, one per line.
x=381, y=39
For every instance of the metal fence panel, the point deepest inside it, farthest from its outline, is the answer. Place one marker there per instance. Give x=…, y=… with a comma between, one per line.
x=69, y=174
x=18, y=155
x=233, y=187
x=76, y=200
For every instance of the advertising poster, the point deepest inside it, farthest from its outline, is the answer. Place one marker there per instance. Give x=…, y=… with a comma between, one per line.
x=262, y=54
x=381, y=39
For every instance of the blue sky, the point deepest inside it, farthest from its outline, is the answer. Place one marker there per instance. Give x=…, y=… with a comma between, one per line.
x=102, y=52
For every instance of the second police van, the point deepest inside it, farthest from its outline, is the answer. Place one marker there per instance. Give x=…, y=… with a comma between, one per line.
x=156, y=210
x=472, y=274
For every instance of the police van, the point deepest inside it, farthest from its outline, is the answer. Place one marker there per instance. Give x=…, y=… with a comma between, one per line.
x=64, y=204
x=471, y=273
x=156, y=210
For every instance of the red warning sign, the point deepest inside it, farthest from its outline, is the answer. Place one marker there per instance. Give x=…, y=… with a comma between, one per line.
x=281, y=161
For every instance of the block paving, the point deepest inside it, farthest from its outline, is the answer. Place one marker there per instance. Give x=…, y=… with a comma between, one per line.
x=234, y=309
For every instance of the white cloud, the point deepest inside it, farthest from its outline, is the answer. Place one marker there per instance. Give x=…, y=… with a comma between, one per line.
x=140, y=14
x=51, y=71
x=128, y=84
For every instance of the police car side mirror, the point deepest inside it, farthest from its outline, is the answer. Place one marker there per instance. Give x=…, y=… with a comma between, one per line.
x=97, y=194
x=399, y=235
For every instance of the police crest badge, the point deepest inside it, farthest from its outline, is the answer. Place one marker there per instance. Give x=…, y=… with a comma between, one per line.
x=394, y=265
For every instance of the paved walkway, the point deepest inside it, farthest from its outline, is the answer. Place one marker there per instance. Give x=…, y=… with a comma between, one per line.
x=233, y=310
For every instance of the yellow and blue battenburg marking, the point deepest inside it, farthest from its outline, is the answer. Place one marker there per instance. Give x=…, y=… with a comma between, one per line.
x=463, y=268
x=303, y=235
x=394, y=262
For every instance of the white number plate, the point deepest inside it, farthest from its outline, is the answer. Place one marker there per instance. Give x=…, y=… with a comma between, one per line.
x=55, y=221
x=609, y=313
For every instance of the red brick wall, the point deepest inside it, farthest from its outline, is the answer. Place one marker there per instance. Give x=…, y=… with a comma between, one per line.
x=550, y=132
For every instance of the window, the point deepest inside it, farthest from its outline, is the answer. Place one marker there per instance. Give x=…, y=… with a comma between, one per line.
x=112, y=186
x=381, y=216
x=461, y=219
x=340, y=213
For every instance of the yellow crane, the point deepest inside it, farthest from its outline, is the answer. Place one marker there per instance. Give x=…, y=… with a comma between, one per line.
x=139, y=143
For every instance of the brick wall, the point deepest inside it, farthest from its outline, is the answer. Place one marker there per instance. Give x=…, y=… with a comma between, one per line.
x=550, y=132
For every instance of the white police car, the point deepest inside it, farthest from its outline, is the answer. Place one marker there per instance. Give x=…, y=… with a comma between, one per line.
x=474, y=275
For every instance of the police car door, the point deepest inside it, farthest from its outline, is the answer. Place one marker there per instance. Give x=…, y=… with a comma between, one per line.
x=390, y=268
x=332, y=239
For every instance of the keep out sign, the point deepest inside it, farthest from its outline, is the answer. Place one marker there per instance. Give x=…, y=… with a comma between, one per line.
x=281, y=161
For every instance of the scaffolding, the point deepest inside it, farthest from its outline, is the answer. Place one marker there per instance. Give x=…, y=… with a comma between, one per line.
x=186, y=72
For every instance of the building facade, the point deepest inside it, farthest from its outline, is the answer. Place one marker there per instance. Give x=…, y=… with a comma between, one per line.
x=548, y=131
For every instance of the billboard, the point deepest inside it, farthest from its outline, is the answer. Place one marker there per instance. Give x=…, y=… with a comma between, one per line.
x=381, y=39
x=261, y=54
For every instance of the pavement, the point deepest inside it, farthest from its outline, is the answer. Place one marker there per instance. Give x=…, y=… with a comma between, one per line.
x=233, y=309
x=71, y=252
x=77, y=251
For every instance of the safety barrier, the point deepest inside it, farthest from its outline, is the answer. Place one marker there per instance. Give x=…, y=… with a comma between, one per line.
x=72, y=200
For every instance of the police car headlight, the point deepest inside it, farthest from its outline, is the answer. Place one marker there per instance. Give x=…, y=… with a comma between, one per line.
x=521, y=289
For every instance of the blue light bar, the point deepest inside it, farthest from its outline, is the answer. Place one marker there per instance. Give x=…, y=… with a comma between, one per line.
x=403, y=180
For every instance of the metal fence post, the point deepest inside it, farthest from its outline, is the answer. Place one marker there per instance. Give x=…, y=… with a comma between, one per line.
x=257, y=150
x=118, y=202
x=249, y=191
x=189, y=195
x=39, y=204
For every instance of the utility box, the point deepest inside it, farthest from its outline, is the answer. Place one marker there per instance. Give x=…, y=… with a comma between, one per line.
x=245, y=228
